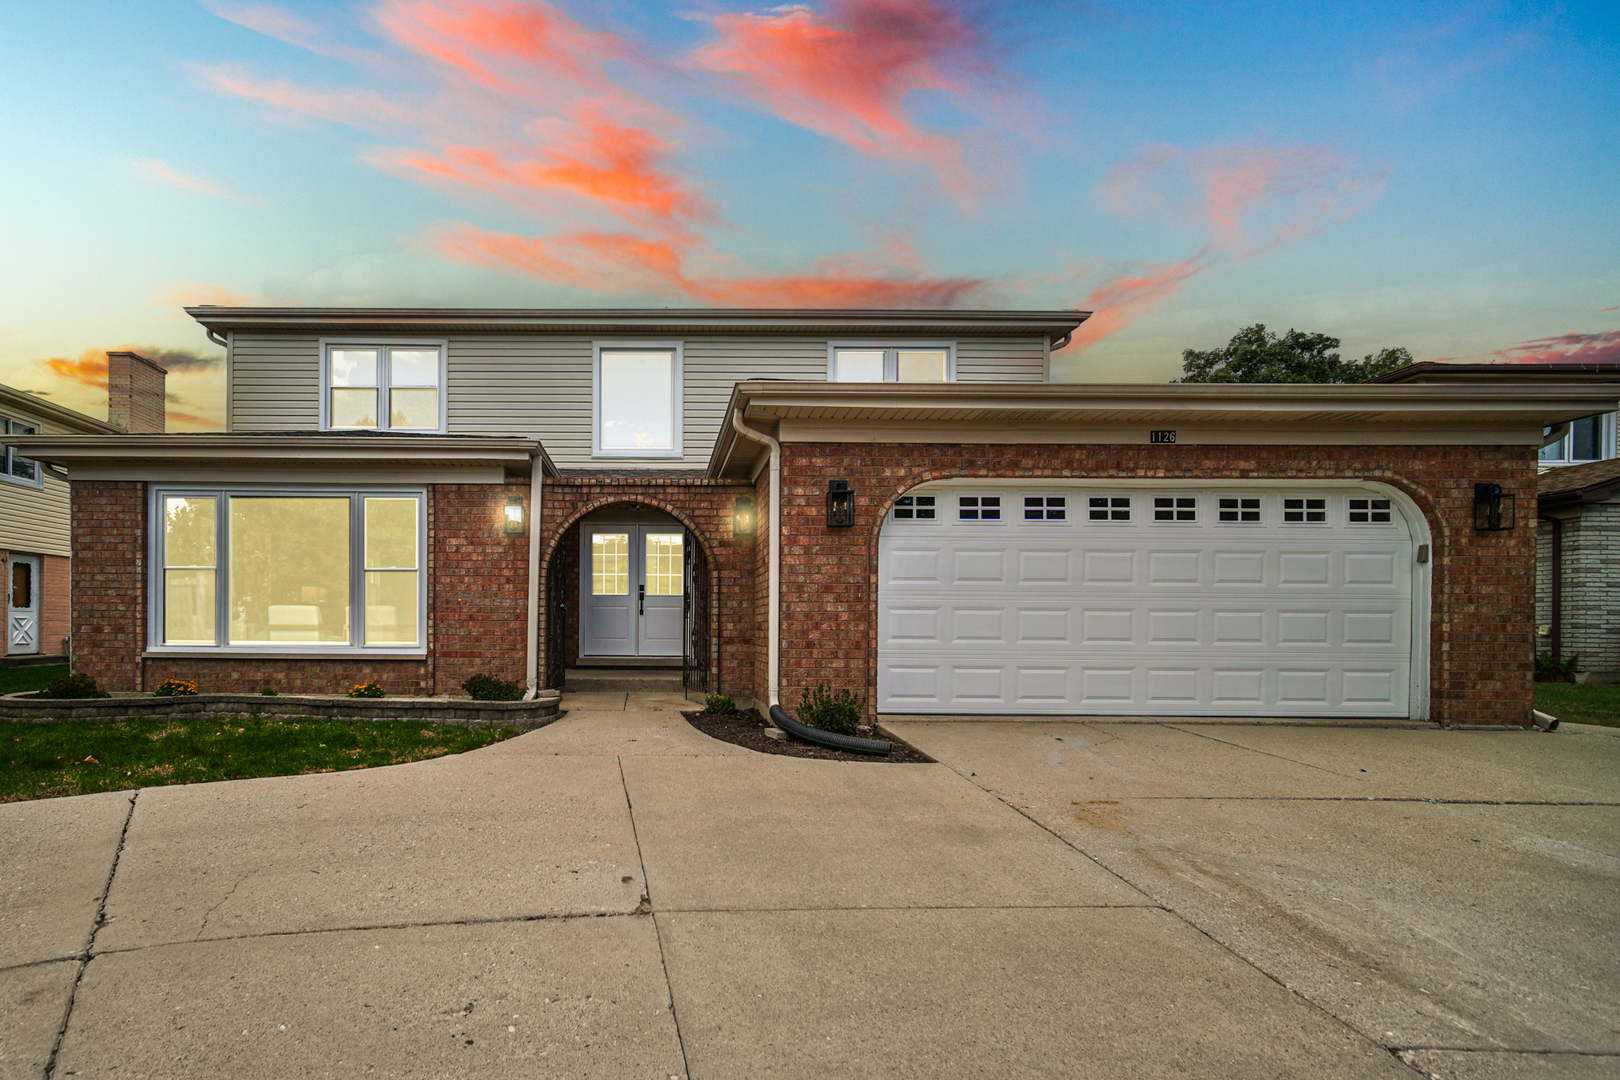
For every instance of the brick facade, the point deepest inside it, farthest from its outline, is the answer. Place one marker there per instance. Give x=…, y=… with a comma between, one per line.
x=705, y=507
x=1591, y=557
x=1483, y=583
x=477, y=603
x=136, y=402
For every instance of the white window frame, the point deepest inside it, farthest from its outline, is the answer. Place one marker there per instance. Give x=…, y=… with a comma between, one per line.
x=1110, y=522
x=382, y=345
x=1175, y=521
x=222, y=494
x=1000, y=508
x=891, y=356
x=8, y=455
x=1606, y=438
x=1044, y=522
x=928, y=522
x=677, y=398
x=1263, y=510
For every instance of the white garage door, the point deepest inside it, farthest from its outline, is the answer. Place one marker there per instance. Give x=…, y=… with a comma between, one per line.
x=1264, y=601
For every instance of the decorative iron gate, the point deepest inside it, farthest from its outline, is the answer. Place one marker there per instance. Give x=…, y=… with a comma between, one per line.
x=562, y=581
x=695, y=661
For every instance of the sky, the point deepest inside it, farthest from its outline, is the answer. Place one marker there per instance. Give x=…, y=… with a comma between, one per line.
x=1444, y=177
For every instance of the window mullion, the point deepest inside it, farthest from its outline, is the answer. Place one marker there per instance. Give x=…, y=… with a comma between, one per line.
x=222, y=569
x=357, y=560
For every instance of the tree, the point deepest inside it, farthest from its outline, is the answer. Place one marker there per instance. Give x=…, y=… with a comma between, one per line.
x=1255, y=356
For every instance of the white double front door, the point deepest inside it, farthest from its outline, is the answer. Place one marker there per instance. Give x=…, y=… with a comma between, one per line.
x=22, y=623
x=632, y=590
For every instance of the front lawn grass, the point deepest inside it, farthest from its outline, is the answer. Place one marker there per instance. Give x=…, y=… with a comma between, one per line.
x=18, y=680
x=77, y=757
x=1576, y=703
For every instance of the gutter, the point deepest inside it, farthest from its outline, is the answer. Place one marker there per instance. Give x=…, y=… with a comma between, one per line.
x=773, y=607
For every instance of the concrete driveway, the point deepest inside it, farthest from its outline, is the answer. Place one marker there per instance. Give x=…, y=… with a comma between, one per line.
x=617, y=895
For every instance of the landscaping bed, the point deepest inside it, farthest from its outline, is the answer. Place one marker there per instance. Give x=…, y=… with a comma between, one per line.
x=746, y=728
x=463, y=712
x=78, y=757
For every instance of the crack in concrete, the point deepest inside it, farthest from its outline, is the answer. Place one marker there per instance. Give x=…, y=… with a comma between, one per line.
x=647, y=908
x=229, y=893
x=87, y=953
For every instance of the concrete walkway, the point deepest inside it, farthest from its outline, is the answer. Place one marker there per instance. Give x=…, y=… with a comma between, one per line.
x=617, y=895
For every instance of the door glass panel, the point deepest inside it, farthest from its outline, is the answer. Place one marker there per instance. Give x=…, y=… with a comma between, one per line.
x=922, y=365
x=289, y=578
x=22, y=585
x=664, y=567
x=610, y=564
x=859, y=365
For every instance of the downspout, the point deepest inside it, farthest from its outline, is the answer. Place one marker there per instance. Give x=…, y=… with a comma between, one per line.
x=532, y=642
x=773, y=603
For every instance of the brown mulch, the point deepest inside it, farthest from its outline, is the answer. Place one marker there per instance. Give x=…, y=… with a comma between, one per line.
x=746, y=728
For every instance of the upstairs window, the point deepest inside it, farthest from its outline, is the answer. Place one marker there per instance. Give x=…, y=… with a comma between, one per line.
x=1590, y=438
x=13, y=466
x=904, y=363
x=380, y=387
x=638, y=400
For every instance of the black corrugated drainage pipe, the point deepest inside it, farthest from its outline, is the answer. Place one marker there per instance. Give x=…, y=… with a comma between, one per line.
x=829, y=739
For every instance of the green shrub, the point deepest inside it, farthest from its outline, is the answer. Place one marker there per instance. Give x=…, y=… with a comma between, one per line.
x=831, y=710
x=489, y=688
x=367, y=689
x=269, y=691
x=1550, y=670
x=176, y=688
x=73, y=686
x=719, y=703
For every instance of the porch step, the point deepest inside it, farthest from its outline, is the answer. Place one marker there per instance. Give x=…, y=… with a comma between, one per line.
x=635, y=680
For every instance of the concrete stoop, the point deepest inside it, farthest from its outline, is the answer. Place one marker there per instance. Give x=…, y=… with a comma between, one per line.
x=614, y=680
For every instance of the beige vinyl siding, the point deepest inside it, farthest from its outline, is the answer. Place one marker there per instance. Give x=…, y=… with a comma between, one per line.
x=1001, y=359
x=275, y=383
x=539, y=386
x=35, y=521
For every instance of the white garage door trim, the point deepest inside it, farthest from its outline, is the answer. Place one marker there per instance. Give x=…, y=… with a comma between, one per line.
x=996, y=669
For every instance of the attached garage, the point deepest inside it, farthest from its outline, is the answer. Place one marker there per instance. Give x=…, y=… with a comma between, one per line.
x=1269, y=598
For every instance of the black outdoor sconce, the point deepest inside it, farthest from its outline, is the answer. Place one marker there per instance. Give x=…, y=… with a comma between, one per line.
x=742, y=517
x=840, y=505
x=1493, y=511
x=513, y=521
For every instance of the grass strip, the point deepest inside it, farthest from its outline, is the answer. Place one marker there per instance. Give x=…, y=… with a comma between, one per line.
x=19, y=680
x=78, y=757
x=1578, y=703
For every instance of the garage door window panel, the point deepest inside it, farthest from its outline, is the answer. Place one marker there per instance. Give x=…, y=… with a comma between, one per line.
x=978, y=508
x=1239, y=510
x=1046, y=508
x=1108, y=508
x=914, y=508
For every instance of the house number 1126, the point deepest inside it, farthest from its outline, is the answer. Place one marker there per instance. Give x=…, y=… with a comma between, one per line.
x=1161, y=436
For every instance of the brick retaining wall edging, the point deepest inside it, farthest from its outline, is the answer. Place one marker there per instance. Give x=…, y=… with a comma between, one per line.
x=527, y=715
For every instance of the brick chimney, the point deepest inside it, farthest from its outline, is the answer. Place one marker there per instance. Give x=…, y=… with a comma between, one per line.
x=135, y=394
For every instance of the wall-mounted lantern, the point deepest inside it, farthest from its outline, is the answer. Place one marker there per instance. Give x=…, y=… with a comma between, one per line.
x=743, y=522
x=513, y=522
x=840, y=505
x=1493, y=511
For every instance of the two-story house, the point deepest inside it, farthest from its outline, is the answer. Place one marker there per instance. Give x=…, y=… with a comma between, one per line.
x=897, y=502
x=35, y=541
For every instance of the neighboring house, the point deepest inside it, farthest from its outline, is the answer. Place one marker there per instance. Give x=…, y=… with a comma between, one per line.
x=895, y=502
x=35, y=546
x=1577, y=524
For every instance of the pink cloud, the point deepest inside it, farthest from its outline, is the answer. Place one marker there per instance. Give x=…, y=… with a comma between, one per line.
x=164, y=173
x=1124, y=299
x=281, y=24
x=846, y=74
x=1602, y=347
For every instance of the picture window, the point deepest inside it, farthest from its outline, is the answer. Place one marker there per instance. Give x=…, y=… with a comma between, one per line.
x=978, y=508
x=1240, y=509
x=1109, y=508
x=1175, y=508
x=638, y=401
x=1046, y=508
x=1304, y=511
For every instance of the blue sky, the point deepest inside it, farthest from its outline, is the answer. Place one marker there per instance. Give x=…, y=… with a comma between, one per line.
x=1436, y=176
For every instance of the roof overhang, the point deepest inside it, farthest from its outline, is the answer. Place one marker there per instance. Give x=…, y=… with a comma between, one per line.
x=223, y=320
x=20, y=401
x=1437, y=371
x=1124, y=413
x=317, y=455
